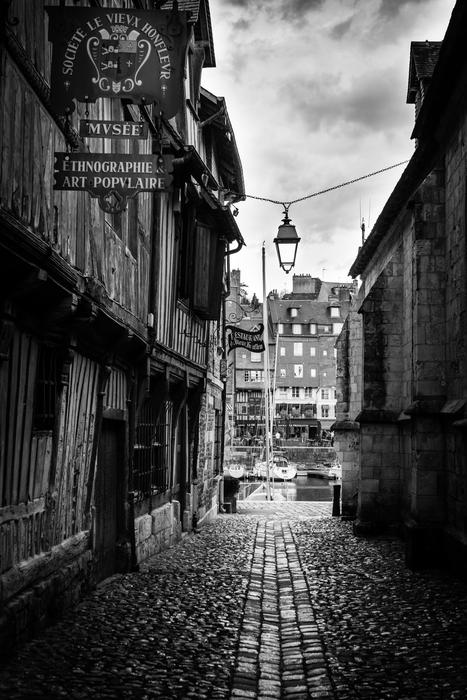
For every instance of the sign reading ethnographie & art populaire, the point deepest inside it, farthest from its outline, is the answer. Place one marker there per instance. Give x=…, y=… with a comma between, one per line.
x=100, y=52
x=251, y=340
x=103, y=173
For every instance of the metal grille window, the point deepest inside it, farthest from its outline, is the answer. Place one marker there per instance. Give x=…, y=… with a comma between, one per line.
x=217, y=442
x=45, y=397
x=152, y=450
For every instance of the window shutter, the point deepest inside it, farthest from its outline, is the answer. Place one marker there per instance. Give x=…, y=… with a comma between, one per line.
x=208, y=273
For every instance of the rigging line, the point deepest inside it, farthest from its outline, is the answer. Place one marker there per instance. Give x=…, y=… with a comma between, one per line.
x=328, y=189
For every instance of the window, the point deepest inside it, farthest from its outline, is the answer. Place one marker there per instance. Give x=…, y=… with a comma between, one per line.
x=313, y=328
x=294, y=312
x=244, y=409
x=296, y=328
x=283, y=372
x=324, y=411
x=295, y=392
x=282, y=351
x=254, y=375
x=298, y=371
x=324, y=328
x=256, y=357
x=46, y=391
x=312, y=352
x=280, y=328
x=325, y=394
x=152, y=449
x=312, y=372
x=283, y=391
x=335, y=312
x=325, y=353
x=335, y=352
x=298, y=349
x=308, y=392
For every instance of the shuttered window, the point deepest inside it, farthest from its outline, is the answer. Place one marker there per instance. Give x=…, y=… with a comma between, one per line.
x=208, y=272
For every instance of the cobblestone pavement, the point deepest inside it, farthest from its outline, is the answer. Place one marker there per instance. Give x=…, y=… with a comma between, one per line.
x=277, y=601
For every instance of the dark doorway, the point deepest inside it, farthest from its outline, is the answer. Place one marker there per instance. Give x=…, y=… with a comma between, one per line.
x=180, y=462
x=108, y=475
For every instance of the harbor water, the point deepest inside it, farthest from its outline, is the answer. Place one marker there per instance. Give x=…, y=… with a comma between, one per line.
x=302, y=488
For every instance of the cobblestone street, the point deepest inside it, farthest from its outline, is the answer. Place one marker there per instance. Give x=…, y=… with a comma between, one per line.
x=277, y=601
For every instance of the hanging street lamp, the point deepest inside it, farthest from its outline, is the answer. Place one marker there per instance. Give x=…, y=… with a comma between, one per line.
x=286, y=242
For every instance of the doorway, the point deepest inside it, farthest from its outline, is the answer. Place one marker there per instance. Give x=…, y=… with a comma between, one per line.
x=108, y=477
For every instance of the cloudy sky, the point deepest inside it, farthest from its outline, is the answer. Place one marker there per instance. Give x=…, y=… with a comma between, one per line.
x=316, y=92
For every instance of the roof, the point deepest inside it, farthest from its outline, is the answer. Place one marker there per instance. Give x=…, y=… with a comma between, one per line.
x=201, y=18
x=423, y=59
x=308, y=311
x=213, y=112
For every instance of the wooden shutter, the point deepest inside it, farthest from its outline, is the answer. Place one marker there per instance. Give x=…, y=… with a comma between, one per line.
x=208, y=272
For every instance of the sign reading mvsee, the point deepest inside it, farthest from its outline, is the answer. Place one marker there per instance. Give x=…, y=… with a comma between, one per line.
x=101, y=173
x=95, y=129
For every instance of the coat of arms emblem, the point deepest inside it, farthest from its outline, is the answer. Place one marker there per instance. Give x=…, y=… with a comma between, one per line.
x=118, y=57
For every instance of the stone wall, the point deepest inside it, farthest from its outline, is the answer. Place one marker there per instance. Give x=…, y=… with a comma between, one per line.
x=206, y=499
x=157, y=530
x=39, y=590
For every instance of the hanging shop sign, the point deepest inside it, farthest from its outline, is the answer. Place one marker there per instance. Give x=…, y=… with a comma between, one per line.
x=251, y=340
x=111, y=177
x=135, y=54
x=95, y=129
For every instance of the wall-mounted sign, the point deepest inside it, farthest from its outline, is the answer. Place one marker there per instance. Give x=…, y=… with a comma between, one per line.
x=136, y=54
x=95, y=129
x=251, y=340
x=112, y=177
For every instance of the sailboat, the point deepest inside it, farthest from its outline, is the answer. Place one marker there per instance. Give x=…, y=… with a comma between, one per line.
x=233, y=467
x=279, y=467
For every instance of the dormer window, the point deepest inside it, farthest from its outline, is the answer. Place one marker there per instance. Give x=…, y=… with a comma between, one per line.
x=293, y=312
x=335, y=312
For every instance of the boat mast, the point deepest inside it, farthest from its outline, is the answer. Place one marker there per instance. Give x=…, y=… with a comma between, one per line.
x=267, y=444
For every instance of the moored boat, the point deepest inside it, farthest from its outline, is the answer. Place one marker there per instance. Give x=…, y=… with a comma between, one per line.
x=235, y=470
x=280, y=469
x=325, y=471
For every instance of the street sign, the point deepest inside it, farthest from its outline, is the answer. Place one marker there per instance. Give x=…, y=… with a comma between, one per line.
x=101, y=52
x=240, y=338
x=98, y=129
x=106, y=175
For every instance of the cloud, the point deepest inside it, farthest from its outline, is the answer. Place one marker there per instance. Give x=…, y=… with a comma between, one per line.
x=340, y=30
x=329, y=101
x=391, y=8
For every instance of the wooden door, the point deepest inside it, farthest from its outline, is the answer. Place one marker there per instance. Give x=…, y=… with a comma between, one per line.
x=109, y=470
x=180, y=462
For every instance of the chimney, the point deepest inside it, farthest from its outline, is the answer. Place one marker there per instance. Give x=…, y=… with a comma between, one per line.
x=303, y=284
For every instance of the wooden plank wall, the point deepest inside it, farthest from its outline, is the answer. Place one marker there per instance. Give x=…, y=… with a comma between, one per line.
x=71, y=222
x=76, y=435
x=116, y=390
x=25, y=456
x=167, y=270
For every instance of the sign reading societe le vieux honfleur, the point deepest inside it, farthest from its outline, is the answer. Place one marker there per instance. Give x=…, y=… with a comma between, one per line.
x=101, y=173
x=136, y=54
x=251, y=340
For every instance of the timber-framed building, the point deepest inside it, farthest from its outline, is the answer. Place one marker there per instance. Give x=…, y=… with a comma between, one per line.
x=112, y=400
